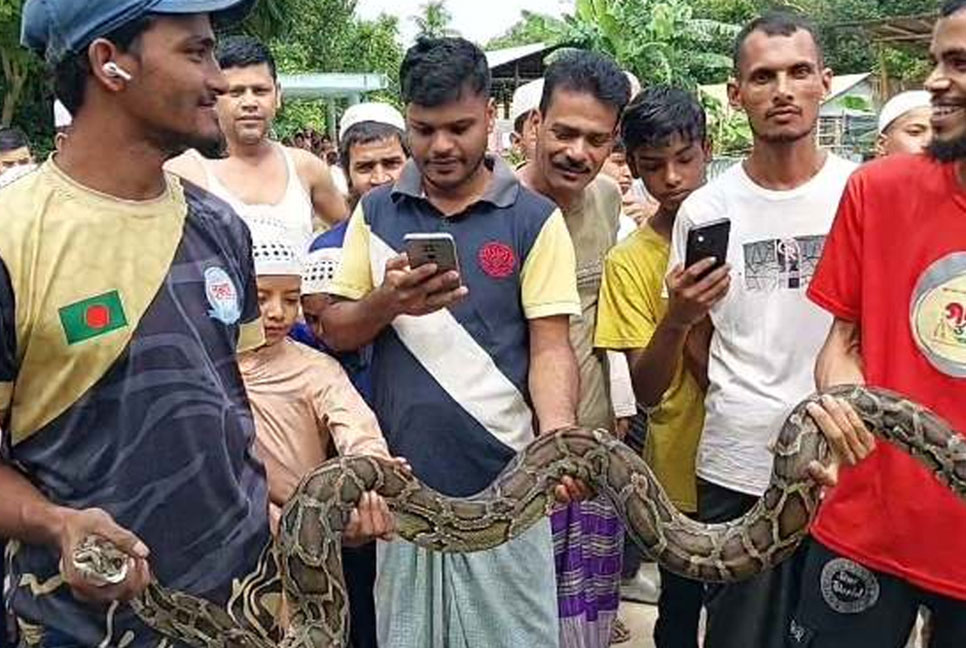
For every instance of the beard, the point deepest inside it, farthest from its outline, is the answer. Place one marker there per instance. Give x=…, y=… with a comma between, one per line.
x=473, y=165
x=950, y=151
x=782, y=137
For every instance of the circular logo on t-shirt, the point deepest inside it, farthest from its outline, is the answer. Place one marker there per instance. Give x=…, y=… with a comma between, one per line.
x=848, y=587
x=497, y=260
x=938, y=314
x=222, y=296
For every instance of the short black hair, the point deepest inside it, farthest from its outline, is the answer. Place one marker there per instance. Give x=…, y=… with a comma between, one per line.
x=243, y=52
x=951, y=7
x=71, y=74
x=436, y=71
x=365, y=133
x=590, y=72
x=775, y=23
x=659, y=113
x=12, y=138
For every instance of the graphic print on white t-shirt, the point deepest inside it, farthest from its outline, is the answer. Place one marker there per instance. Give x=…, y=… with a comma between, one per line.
x=767, y=333
x=782, y=263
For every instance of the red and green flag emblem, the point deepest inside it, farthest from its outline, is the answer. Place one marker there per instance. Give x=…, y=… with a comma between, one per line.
x=93, y=317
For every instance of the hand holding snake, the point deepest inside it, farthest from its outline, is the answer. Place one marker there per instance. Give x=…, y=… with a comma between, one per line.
x=313, y=521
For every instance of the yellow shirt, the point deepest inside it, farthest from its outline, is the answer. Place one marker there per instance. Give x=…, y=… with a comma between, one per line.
x=631, y=307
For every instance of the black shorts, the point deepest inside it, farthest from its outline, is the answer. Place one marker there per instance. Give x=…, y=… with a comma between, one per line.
x=844, y=604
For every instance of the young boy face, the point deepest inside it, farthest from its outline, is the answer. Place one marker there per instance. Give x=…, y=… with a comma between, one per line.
x=671, y=172
x=278, y=297
x=616, y=168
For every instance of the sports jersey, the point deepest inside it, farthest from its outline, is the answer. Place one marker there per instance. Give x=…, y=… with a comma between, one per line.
x=895, y=264
x=119, y=325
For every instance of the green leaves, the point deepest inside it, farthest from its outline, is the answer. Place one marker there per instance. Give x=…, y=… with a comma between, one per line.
x=435, y=20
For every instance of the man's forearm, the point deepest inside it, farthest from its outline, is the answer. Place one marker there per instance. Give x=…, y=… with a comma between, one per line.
x=840, y=360
x=350, y=325
x=25, y=514
x=554, y=386
x=653, y=369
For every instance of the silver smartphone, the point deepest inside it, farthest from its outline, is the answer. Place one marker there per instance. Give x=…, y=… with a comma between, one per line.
x=436, y=247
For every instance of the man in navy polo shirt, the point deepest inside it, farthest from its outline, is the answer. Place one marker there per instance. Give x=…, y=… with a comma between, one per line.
x=467, y=367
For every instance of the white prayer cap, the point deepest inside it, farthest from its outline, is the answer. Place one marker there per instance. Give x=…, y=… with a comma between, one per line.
x=526, y=98
x=381, y=113
x=272, y=252
x=319, y=269
x=900, y=104
x=62, y=116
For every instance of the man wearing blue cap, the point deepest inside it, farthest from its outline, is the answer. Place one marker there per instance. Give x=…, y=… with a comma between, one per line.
x=124, y=295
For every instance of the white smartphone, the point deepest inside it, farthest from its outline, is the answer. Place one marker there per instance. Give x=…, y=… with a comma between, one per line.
x=436, y=247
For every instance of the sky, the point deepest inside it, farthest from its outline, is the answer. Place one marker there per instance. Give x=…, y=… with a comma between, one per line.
x=477, y=20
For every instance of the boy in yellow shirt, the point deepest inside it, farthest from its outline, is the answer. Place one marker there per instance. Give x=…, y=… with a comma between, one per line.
x=665, y=339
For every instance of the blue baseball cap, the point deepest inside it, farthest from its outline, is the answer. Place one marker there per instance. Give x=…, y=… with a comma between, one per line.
x=57, y=28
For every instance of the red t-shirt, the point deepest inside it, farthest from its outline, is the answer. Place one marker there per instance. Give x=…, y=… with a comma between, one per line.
x=895, y=263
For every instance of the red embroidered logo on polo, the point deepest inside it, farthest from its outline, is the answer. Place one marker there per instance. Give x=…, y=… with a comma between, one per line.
x=497, y=259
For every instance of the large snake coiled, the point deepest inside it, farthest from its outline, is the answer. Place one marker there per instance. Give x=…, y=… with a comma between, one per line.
x=309, y=539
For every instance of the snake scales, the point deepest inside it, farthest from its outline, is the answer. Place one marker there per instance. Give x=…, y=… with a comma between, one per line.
x=310, y=530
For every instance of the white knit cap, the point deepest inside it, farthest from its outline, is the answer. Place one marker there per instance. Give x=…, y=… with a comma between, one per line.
x=900, y=104
x=272, y=252
x=319, y=269
x=526, y=98
x=62, y=116
x=381, y=113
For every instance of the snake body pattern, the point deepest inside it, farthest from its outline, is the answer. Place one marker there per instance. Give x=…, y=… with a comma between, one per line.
x=309, y=542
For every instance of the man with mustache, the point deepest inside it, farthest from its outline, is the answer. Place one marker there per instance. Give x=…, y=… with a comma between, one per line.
x=890, y=537
x=259, y=178
x=781, y=201
x=584, y=94
x=465, y=363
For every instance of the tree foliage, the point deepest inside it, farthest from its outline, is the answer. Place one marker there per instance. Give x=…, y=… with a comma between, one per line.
x=325, y=36
x=435, y=21
x=18, y=65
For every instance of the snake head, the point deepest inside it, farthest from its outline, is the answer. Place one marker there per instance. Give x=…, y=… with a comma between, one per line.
x=100, y=561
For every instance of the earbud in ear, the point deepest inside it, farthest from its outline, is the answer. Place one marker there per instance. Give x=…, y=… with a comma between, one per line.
x=113, y=69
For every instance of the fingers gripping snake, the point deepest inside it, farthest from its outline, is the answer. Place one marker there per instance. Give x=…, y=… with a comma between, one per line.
x=310, y=532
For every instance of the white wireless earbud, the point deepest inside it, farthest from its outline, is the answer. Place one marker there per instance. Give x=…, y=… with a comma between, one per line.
x=113, y=69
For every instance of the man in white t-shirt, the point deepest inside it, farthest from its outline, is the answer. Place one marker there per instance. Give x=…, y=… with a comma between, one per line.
x=781, y=202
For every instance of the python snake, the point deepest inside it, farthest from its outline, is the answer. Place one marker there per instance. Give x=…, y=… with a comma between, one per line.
x=311, y=526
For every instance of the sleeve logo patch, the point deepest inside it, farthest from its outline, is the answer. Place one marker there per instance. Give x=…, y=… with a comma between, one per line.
x=92, y=317
x=222, y=296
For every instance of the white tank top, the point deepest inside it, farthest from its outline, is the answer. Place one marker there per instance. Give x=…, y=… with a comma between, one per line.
x=293, y=212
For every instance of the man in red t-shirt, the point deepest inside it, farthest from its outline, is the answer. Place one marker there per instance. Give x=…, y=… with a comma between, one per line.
x=890, y=537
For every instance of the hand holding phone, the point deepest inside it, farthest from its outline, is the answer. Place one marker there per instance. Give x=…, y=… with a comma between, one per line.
x=412, y=288
x=436, y=247
x=709, y=240
x=705, y=279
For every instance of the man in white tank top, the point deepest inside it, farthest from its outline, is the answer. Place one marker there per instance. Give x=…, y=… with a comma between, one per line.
x=260, y=178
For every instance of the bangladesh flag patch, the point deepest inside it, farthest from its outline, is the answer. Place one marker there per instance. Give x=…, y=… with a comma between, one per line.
x=93, y=317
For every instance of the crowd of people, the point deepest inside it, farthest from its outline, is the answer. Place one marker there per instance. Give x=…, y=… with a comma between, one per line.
x=193, y=316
